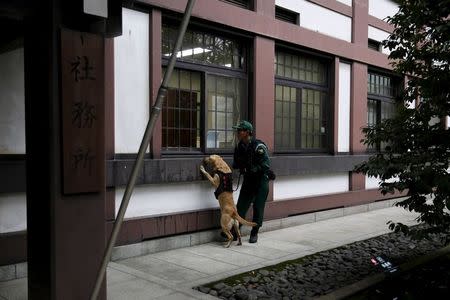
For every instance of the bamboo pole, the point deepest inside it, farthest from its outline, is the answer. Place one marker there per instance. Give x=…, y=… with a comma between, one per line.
x=144, y=144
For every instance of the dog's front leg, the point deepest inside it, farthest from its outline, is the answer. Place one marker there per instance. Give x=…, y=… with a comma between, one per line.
x=214, y=181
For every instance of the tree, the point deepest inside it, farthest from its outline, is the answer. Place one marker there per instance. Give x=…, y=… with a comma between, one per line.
x=416, y=152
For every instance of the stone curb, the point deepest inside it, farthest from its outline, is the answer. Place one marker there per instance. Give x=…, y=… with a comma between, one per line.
x=367, y=282
x=17, y=271
x=197, y=238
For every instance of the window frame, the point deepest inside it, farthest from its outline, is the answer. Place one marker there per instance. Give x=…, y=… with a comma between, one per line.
x=285, y=15
x=205, y=29
x=216, y=70
x=300, y=85
x=378, y=98
x=374, y=45
x=241, y=3
x=244, y=112
x=191, y=150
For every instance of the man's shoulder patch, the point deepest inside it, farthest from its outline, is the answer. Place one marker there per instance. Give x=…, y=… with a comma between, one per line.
x=260, y=148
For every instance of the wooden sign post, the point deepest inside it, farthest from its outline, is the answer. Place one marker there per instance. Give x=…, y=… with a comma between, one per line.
x=83, y=111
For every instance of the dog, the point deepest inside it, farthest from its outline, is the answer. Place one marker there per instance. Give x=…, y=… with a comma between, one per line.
x=224, y=193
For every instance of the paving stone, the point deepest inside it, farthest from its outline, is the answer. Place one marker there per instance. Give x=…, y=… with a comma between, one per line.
x=328, y=214
x=7, y=272
x=21, y=270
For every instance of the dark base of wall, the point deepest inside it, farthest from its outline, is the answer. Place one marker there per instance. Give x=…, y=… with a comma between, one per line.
x=13, y=246
x=138, y=230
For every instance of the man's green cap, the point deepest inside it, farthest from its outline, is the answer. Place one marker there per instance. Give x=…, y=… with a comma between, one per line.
x=244, y=125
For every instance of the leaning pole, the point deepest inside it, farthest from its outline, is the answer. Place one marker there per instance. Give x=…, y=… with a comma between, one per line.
x=156, y=109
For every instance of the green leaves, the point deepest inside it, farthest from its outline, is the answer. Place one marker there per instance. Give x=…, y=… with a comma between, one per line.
x=417, y=146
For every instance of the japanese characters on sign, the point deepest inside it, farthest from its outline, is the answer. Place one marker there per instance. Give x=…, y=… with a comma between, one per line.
x=82, y=82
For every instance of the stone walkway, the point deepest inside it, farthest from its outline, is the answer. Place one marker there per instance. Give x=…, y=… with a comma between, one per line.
x=172, y=274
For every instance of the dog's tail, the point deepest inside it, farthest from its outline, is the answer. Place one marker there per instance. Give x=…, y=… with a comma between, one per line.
x=244, y=221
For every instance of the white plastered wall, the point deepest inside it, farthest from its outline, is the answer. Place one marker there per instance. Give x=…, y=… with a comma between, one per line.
x=411, y=105
x=13, y=212
x=382, y=8
x=169, y=198
x=320, y=19
x=131, y=80
x=379, y=36
x=373, y=182
x=291, y=187
x=344, y=107
x=12, y=102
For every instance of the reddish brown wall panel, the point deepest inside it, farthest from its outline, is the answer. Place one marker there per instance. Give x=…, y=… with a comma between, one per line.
x=261, y=24
x=13, y=248
x=358, y=107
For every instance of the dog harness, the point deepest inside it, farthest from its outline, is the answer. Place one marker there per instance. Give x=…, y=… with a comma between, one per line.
x=225, y=184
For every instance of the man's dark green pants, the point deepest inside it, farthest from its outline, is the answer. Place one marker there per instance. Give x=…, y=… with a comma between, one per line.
x=254, y=190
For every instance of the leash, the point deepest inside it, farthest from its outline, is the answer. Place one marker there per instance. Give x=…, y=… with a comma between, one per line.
x=239, y=179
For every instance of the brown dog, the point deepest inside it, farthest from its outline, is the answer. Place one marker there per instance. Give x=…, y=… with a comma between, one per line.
x=229, y=215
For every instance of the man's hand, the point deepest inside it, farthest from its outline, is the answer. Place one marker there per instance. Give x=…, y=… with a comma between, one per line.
x=254, y=170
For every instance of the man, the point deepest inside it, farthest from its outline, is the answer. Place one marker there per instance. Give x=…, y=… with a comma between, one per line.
x=251, y=157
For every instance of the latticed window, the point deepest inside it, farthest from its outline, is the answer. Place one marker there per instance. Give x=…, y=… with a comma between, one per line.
x=380, y=85
x=381, y=91
x=204, y=48
x=300, y=68
x=301, y=103
x=207, y=93
x=286, y=107
x=181, y=112
x=224, y=95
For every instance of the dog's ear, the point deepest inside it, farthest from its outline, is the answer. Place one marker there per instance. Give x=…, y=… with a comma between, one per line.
x=222, y=165
x=209, y=164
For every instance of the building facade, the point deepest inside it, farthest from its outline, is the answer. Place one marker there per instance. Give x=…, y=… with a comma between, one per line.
x=309, y=74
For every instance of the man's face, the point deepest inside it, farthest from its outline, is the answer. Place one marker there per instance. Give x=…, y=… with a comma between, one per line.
x=242, y=135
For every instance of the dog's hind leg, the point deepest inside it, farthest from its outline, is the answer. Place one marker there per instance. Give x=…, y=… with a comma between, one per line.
x=225, y=221
x=238, y=232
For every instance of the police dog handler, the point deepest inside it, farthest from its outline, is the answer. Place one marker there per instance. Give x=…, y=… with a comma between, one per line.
x=251, y=157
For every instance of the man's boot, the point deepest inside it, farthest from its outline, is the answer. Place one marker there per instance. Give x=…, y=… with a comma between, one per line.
x=254, y=235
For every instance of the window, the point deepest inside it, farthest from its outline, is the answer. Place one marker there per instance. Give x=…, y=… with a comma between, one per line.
x=300, y=68
x=247, y=4
x=204, y=48
x=374, y=45
x=181, y=112
x=286, y=15
x=380, y=85
x=207, y=93
x=380, y=103
x=301, y=103
x=223, y=98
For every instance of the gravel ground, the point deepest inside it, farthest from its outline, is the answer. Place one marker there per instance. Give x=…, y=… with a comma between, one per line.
x=320, y=273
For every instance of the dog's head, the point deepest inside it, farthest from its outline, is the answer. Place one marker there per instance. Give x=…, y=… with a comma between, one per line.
x=217, y=163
